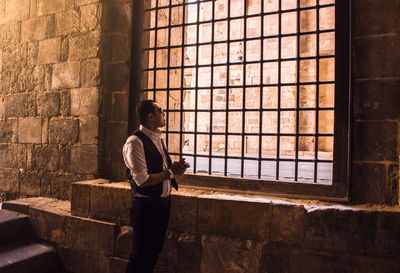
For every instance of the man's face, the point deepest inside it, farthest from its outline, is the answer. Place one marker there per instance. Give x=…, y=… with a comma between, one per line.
x=158, y=117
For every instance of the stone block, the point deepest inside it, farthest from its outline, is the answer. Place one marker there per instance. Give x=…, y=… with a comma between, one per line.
x=368, y=183
x=233, y=255
x=120, y=106
x=17, y=10
x=84, y=46
x=13, y=155
x=30, y=183
x=183, y=214
x=376, y=99
x=49, y=6
x=85, y=2
x=288, y=224
x=340, y=230
x=9, y=180
x=375, y=17
x=63, y=131
x=48, y=104
x=49, y=51
x=65, y=157
x=30, y=130
x=57, y=185
x=49, y=226
x=375, y=141
x=85, y=101
x=90, y=73
x=118, y=47
x=45, y=130
x=364, y=264
x=110, y=202
x=45, y=157
x=316, y=262
x=10, y=33
x=182, y=251
x=74, y=260
x=91, y=236
x=388, y=234
x=88, y=130
x=33, y=29
x=65, y=75
x=392, y=192
x=80, y=199
x=66, y=22
x=117, y=77
x=373, y=56
x=237, y=219
x=84, y=159
x=20, y=105
x=3, y=17
x=65, y=103
x=90, y=16
x=118, y=16
x=275, y=258
x=2, y=107
x=8, y=130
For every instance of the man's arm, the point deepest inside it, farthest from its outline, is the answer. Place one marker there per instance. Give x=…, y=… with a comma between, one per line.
x=156, y=178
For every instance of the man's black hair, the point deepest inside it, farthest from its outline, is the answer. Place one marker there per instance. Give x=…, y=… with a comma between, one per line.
x=144, y=108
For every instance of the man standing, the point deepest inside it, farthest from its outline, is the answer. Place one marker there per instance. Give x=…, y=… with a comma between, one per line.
x=151, y=174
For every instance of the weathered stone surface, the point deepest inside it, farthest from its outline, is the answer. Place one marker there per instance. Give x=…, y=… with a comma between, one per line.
x=118, y=47
x=65, y=75
x=74, y=260
x=12, y=155
x=48, y=104
x=57, y=185
x=10, y=34
x=30, y=183
x=84, y=46
x=90, y=16
x=337, y=230
x=368, y=183
x=33, y=29
x=376, y=99
x=90, y=73
x=222, y=254
x=50, y=6
x=88, y=130
x=45, y=157
x=118, y=17
x=65, y=103
x=372, y=144
x=85, y=101
x=392, y=192
x=30, y=130
x=93, y=236
x=65, y=157
x=49, y=51
x=236, y=219
x=9, y=180
x=8, y=130
x=85, y=2
x=388, y=234
x=45, y=130
x=120, y=109
x=2, y=107
x=372, y=12
x=17, y=10
x=116, y=77
x=363, y=264
x=84, y=159
x=373, y=56
x=102, y=206
x=66, y=22
x=182, y=251
x=288, y=224
x=183, y=214
x=80, y=199
x=3, y=18
x=316, y=262
x=63, y=131
x=275, y=259
x=20, y=105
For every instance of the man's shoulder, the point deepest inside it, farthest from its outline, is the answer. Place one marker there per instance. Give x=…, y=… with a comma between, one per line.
x=132, y=139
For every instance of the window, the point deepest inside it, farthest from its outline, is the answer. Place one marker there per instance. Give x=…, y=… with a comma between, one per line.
x=252, y=89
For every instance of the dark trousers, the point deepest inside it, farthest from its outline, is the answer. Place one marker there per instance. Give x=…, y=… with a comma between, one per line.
x=149, y=219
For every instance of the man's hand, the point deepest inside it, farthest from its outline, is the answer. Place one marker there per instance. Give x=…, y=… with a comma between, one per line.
x=179, y=167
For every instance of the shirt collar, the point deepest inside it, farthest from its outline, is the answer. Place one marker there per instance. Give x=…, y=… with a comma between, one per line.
x=157, y=134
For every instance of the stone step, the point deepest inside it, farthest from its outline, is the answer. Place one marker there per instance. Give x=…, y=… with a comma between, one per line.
x=13, y=226
x=27, y=257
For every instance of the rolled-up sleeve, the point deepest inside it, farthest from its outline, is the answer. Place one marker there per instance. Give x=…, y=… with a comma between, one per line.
x=133, y=153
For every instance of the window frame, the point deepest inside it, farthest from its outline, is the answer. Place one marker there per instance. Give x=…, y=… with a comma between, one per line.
x=339, y=189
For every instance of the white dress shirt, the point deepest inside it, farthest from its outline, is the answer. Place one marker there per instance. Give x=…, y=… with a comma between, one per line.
x=135, y=160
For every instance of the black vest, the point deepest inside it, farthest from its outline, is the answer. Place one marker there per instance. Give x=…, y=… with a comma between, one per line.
x=154, y=162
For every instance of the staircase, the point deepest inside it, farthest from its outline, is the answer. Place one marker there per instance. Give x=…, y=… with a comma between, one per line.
x=19, y=251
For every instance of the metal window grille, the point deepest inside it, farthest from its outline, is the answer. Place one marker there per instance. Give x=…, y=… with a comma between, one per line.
x=248, y=85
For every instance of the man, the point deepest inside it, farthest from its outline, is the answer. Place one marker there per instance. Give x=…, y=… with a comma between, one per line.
x=150, y=172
